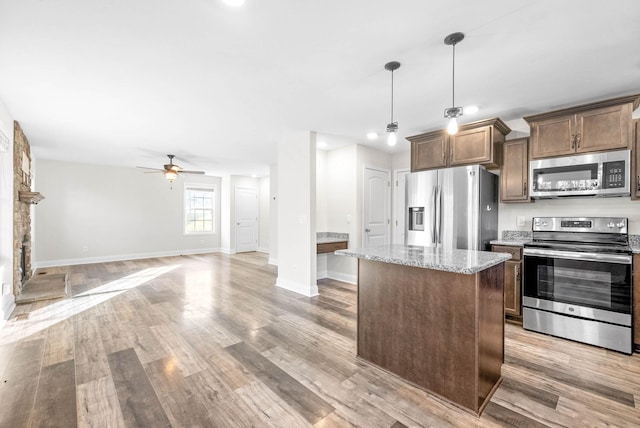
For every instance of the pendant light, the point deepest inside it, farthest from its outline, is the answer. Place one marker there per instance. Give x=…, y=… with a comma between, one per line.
x=392, y=127
x=453, y=112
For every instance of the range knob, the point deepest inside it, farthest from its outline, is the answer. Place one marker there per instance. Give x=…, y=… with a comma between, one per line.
x=611, y=225
x=621, y=224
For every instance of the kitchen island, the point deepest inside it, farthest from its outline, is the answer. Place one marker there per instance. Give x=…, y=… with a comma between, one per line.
x=434, y=317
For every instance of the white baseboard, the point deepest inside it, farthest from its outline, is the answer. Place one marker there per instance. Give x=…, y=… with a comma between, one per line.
x=121, y=257
x=322, y=274
x=273, y=261
x=304, y=289
x=227, y=251
x=263, y=250
x=340, y=276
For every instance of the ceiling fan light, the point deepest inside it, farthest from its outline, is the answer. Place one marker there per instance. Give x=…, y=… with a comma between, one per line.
x=170, y=175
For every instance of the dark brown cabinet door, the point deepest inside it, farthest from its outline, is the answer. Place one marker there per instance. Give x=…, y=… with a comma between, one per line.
x=471, y=146
x=512, y=274
x=429, y=152
x=607, y=128
x=636, y=300
x=553, y=137
x=515, y=171
x=512, y=281
x=635, y=177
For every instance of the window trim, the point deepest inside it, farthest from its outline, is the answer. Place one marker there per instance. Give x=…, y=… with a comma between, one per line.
x=199, y=186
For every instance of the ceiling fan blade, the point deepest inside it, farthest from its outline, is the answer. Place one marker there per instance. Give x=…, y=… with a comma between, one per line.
x=153, y=172
x=154, y=169
x=191, y=172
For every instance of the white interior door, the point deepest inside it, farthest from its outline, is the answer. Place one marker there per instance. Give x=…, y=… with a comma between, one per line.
x=376, y=212
x=246, y=219
x=400, y=206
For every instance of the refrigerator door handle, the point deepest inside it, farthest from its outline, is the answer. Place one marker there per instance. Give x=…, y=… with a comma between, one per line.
x=439, y=215
x=438, y=212
x=435, y=209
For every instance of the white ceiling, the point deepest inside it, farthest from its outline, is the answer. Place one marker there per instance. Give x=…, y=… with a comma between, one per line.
x=123, y=82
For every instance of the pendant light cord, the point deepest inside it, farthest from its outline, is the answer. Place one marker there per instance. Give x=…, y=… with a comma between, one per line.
x=453, y=78
x=391, y=96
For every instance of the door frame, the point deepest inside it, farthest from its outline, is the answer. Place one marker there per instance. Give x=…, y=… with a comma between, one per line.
x=365, y=167
x=395, y=214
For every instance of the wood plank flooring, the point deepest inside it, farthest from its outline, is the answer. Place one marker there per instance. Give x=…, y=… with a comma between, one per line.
x=209, y=341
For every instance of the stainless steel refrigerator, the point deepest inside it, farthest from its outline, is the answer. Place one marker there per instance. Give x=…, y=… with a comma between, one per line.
x=452, y=208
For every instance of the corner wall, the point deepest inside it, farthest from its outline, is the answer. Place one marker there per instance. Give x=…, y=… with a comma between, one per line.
x=7, y=299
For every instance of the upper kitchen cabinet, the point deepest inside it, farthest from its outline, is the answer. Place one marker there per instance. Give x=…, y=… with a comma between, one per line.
x=595, y=127
x=515, y=171
x=635, y=173
x=475, y=143
x=429, y=151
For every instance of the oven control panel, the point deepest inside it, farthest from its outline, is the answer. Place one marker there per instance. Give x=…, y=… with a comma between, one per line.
x=580, y=224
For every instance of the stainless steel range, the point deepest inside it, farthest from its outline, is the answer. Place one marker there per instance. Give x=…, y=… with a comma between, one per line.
x=577, y=280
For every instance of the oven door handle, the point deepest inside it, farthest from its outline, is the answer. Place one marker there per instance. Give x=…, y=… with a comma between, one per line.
x=592, y=257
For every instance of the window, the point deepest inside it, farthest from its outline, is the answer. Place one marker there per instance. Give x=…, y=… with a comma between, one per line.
x=199, y=209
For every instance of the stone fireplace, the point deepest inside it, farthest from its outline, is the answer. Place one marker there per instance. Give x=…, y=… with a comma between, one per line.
x=22, y=200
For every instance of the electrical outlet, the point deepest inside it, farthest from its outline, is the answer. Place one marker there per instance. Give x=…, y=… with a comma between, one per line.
x=6, y=288
x=85, y=249
x=520, y=221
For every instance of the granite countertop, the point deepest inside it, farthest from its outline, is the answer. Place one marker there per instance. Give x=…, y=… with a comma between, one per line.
x=328, y=237
x=513, y=238
x=457, y=261
x=634, y=243
x=510, y=242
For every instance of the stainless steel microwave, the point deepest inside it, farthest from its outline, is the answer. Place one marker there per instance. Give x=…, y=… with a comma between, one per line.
x=594, y=174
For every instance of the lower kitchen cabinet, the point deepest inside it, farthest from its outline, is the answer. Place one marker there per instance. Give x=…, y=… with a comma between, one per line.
x=636, y=301
x=512, y=281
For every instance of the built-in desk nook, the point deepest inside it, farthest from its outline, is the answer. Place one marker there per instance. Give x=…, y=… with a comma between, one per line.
x=434, y=317
x=328, y=242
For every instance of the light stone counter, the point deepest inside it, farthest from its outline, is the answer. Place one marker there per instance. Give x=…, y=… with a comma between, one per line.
x=329, y=237
x=457, y=261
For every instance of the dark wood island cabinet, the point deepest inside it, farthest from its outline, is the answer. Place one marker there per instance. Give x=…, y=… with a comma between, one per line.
x=433, y=317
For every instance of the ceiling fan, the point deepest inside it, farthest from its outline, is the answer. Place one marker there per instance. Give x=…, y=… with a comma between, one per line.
x=170, y=170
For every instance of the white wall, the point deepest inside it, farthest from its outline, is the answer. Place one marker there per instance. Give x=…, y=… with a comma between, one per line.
x=343, y=196
x=225, y=215
x=7, y=301
x=574, y=207
x=114, y=213
x=321, y=191
x=342, y=201
x=273, y=215
x=297, y=214
x=264, y=214
x=401, y=160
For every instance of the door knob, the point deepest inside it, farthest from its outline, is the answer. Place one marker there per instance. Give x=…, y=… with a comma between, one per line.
x=367, y=230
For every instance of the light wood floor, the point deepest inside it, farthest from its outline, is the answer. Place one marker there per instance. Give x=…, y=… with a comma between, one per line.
x=209, y=341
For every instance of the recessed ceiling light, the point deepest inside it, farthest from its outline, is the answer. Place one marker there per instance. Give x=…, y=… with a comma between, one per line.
x=372, y=135
x=471, y=109
x=322, y=144
x=234, y=3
